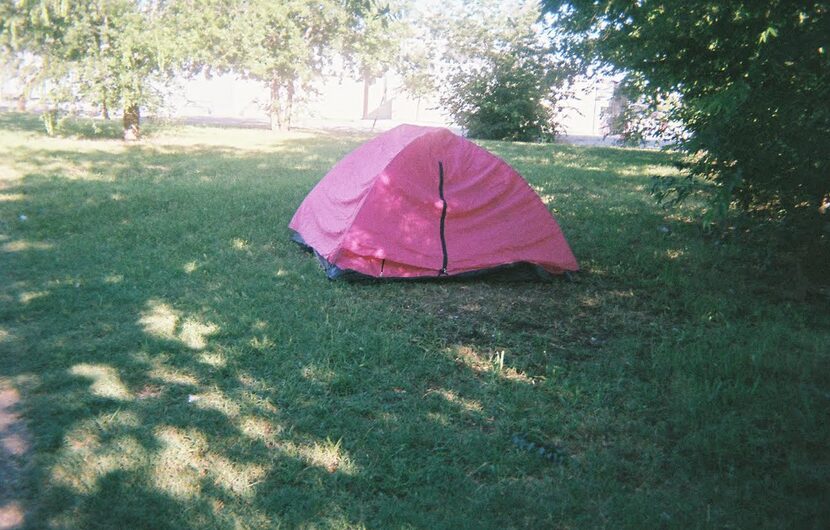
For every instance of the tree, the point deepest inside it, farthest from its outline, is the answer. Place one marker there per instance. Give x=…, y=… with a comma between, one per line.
x=502, y=81
x=752, y=78
x=27, y=34
x=113, y=52
x=417, y=62
x=415, y=66
x=371, y=44
x=286, y=45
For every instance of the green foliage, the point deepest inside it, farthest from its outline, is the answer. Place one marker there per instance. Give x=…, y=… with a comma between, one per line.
x=685, y=382
x=416, y=68
x=501, y=79
x=117, y=53
x=504, y=96
x=371, y=44
x=753, y=80
x=418, y=52
x=114, y=54
x=285, y=45
x=50, y=121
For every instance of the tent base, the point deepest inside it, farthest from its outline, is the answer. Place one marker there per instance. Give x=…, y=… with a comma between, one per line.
x=521, y=271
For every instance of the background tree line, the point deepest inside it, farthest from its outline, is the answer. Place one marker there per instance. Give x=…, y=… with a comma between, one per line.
x=121, y=53
x=487, y=60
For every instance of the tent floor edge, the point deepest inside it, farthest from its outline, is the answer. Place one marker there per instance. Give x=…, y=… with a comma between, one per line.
x=515, y=272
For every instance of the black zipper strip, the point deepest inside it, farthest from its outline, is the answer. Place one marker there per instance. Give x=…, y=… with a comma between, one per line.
x=443, y=270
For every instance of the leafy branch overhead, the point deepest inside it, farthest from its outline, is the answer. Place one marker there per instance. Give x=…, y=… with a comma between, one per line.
x=753, y=81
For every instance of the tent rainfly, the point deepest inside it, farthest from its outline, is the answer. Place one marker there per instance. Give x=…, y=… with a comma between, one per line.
x=423, y=202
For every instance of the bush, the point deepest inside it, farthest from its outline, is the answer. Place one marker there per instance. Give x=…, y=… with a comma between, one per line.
x=508, y=95
x=752, y=81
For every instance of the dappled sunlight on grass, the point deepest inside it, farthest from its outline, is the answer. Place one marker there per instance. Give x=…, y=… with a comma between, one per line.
x=86, y=459
x=194, y=333
x=23, y=245
x=468, y=405
x=76, y=164
x=237, y=479
x=106, y=382
x=492, y=363
x=9, y=174
x=648, y=171
x=172, y=376
x=239, y=244
x=185, y=464
x=262, y=343
x=12, y=514
x=329, y=456
x=27, y=296
x=318, y=374
x=215, y=400
x=247, y=139
x=179, y=467
x=214, y=359
x=113, y=278
x=162, y=321
x=260, y=429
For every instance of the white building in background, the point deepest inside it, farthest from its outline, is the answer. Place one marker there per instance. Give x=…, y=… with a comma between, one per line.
x=338, y=101
x=583, y=113
x=335, y=100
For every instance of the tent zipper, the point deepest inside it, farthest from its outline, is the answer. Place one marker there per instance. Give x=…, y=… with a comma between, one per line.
x=443, y=271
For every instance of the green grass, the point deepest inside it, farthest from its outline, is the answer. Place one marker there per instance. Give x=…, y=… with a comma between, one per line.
x=184, y=365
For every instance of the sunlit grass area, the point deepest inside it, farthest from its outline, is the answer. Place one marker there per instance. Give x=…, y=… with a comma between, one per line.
x=182, y=364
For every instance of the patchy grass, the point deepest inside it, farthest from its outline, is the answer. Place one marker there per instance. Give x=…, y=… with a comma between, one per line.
x=183, y=365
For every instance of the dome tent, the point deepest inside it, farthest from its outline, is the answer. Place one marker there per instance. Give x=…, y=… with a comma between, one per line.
x=423, y=202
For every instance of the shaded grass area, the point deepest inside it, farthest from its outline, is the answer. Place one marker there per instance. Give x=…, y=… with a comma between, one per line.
x=184, y=365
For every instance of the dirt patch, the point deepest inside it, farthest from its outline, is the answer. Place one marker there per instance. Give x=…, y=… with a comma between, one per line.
x=15, y=445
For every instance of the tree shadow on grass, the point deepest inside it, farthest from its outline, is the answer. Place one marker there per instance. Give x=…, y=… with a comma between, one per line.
x=183, y=364
x=173, y=355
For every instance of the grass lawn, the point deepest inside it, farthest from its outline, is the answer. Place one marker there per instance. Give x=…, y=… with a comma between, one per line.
x=182, y=364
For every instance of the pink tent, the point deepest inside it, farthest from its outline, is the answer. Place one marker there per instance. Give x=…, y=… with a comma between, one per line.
x=424, y=202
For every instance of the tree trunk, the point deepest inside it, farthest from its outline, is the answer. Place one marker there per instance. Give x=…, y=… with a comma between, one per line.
x=289, y=105
x=21, y=103
x=418, y=109
x=132, y=118
x=105, y=111
x=280, y=111
x=274, y=107
x=366, y=84
x=50, y=120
